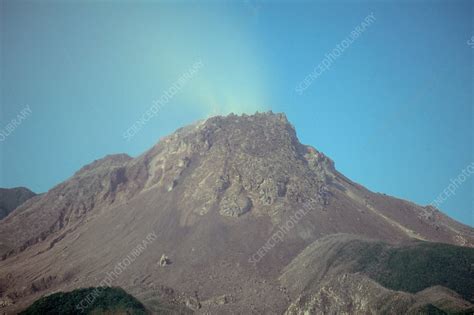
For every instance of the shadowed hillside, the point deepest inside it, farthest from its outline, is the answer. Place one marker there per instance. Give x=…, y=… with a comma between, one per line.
x=12, y=198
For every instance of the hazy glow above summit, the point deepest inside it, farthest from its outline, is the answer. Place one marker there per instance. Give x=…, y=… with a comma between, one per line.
x=232, y=78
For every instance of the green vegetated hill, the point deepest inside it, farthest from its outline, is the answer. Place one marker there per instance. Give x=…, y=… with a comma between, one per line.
x=107, y=301
x=347, y=274
x=418, y=266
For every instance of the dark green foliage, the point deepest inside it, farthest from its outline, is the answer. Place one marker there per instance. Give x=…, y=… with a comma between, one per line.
x=429, y=309
x=419, y=266
x=102, y=299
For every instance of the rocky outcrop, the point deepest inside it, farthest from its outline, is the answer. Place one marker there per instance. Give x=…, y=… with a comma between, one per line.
x=164, y=261
x=235, y=202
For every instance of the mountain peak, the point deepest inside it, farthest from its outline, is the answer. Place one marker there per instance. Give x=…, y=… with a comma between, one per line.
x=239, y=163
x=233, y=166
x=269, y=116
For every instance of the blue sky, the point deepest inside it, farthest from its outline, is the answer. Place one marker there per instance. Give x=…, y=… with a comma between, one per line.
x=394, y=110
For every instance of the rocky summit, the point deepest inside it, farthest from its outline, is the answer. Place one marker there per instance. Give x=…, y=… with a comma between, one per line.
x=245, y=220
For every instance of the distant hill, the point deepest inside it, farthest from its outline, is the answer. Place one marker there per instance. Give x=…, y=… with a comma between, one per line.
x=12, y=198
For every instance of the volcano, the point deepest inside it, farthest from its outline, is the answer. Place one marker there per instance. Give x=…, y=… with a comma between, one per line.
x=233, y=215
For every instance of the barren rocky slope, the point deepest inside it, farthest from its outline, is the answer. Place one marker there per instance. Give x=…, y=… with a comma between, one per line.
x=213, y=193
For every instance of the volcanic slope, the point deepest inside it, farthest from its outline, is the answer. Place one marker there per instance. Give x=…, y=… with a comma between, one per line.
x=213, y=193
